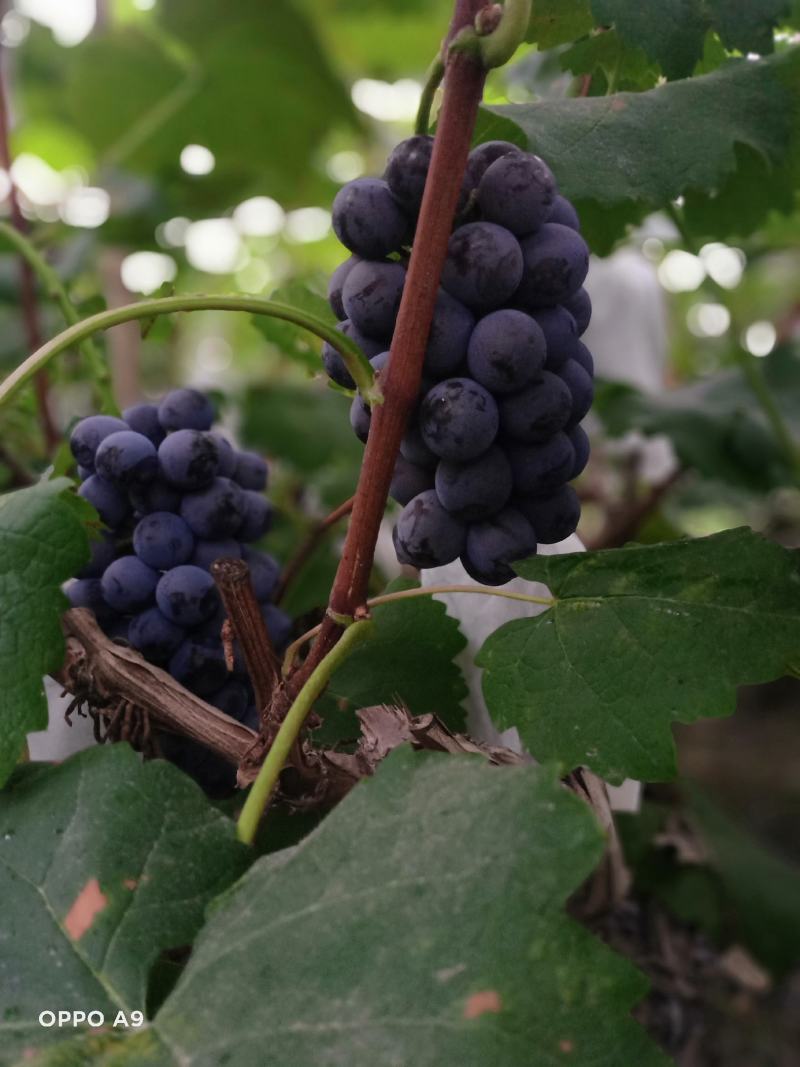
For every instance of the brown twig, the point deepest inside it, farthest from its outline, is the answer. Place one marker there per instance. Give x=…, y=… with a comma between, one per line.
x=20, y=477
x=244, y=613
x=108, y=672
x=28, y=299
x=309, y=547
x=623, y=525
x=463, y=88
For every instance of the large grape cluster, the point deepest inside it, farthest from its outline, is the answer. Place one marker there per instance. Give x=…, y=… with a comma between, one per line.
x=495, y=438
x=175, y=496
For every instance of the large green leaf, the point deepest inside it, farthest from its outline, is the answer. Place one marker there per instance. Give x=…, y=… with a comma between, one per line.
x=558, y=21
x=43, y=541
x=621, y=155
x=104, y=862
x=408, y=660
x=639, y=637
x=422, y=923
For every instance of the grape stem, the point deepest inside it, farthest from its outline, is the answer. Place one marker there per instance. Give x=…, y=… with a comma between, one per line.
x=355, y=360
x=409, y=594
x=463, y=89
x=290, y=728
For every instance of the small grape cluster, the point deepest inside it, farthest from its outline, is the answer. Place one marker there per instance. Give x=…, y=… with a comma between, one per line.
x=495, y=436
x=175, y=496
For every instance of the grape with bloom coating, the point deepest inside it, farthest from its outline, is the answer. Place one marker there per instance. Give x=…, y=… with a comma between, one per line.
x=564, y=213
x=187, y=595
x=555, y=516
x=536, y=413
x=517, y=191
x=256, y=516
x=581, y=388
x=251, y=471
x=264, y=572
x=199, y=666
x=482, y=157
x=543, y=467
x=186, y=409
x=475, y=490
x=427, y=535
x=556, y=262
x=409, y=480
x=458, y=419
x=143, y=418
x=484, y=265
x=87, y=435
x=162, y=540
x=336, y=284
x=560, y=334
x=506, y=351
x=368, y=220
x=371, y=296
x=206, y=552
x=332, y=360
x=129, y=585
x=407, y=170
x=154, y=635
x=215, y=512
x=126, y=458
x=226, y=453
x=451, y=329
x=189, y=459
x=494, y=544
x=579, y=305
x=111, y=505
x=157, y=495
x=580, y=443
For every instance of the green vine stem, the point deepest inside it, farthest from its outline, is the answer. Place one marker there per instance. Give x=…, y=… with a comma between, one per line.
x=749, y=365
x=354, y=358
x=433, y=79
x=497, y=47
x=270, y=770
x=410, y=594
x=54, y=288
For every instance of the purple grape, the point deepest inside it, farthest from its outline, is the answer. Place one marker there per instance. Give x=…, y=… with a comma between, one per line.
x=251, y=471
x=199, y=667
x=476, y=490
x=103, y=551
x=482, y=157
x=129, y=585
x=536, y=413
x=126, y=458
x=407, y=170
x=371, y=296
x=187, y=595
x=336, y=284
x=458, y=419
x=189, y=459
x=414, y=449
x=216, y=512
x=541, y=468
x=494, y=544
x=227, y=454
x=143, y=419
x=163, y=540
x=484, y=265
x=264, y=572
x=335, y=366
x=87, y=435
x=205, y=552
x=561, y=335
x=426, y=535
x=88, y=593
x=507, y=351
x=368, y=220
x=186, y=409
x=116, y=628
x=154, y=635
x=279, y=626
x=232, y=699
x=157, y=495
x=449, y=336
x=580, y=443
x=579, y=305
x=584, y=357
x=517, y=191
x=553, y=517
x=581, y=388
x=360, y=418
x=556, y=262
x=409, y=480
x=565, y=214
x=257, y=516
x=111, y=505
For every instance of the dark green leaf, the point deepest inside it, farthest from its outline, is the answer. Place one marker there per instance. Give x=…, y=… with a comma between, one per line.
x=558, y=21
x=291, y=340
x=640, y=637
x=628, y=67
x=374, y=944
x=748, y=27
x=43, y=542
x=613, y=153
x=104, y=862
x=408, y=660
x=669, y=31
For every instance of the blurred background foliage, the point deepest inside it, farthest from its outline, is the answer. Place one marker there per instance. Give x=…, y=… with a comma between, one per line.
x=196, y=147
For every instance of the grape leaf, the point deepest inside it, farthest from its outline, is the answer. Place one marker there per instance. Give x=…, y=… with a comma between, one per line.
x=421, y=923
x=293, y=341
x=104, y=862
x=639, y=637
x=409, y=659
x=606, y=52
x=612, y=153
x=558, y=21
x=43, y=542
